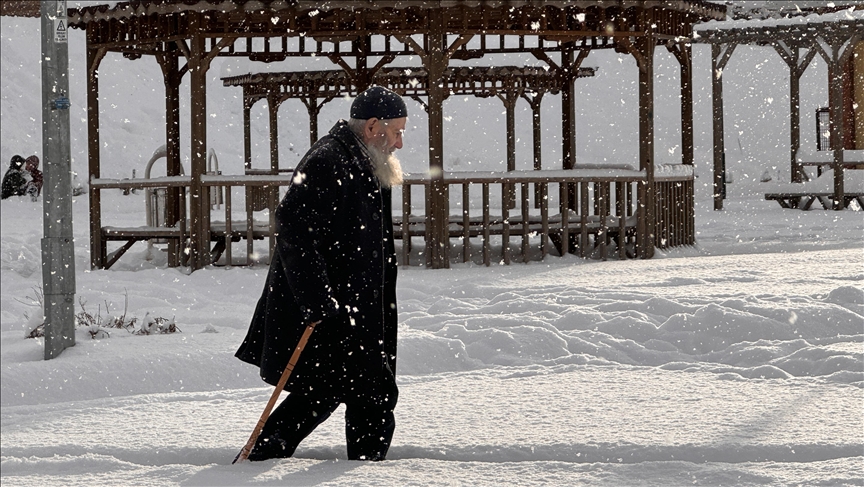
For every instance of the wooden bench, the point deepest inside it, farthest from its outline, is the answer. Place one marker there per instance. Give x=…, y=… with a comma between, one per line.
x=803, y=201
x=515, y=226
x=218, y=234
x=130, y=235
x=239, y=231
x=829, y=165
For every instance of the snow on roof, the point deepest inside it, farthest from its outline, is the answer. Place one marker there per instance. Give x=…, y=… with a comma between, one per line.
x=850, y=14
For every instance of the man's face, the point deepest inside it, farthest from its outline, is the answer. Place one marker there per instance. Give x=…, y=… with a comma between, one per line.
x=387, y=134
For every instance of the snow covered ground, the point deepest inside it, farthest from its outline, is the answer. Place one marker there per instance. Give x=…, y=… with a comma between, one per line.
x=739, y=361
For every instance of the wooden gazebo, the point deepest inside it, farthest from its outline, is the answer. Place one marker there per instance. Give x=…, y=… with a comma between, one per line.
x=315, y=88
x=833, y=34
x=184, y=36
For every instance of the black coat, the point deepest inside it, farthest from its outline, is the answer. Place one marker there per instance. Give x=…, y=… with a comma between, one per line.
x=334, y=262
x=14, y=183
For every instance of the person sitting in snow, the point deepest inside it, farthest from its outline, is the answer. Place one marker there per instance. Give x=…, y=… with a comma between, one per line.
x=33, y=187
x=14, y=181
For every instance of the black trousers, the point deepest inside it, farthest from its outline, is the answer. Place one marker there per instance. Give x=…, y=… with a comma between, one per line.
x=369, y=423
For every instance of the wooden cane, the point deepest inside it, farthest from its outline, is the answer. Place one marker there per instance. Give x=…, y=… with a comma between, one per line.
x=244, y=453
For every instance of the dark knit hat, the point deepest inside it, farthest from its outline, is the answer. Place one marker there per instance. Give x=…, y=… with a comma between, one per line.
x=17, y=161
x=378, y=102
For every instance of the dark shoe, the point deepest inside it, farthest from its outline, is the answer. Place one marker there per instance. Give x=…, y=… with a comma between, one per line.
x=272, y=446
x=376, y=457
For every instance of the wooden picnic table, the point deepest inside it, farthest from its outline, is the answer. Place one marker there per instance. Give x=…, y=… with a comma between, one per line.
x=804, y=200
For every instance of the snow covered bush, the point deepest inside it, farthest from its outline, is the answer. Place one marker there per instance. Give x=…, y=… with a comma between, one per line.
x=35, y=319
x=97, y=326
x=156, y=326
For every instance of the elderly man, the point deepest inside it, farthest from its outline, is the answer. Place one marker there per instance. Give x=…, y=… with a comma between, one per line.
x=335, y=265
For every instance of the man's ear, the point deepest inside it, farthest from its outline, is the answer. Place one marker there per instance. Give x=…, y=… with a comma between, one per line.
x=369, y=128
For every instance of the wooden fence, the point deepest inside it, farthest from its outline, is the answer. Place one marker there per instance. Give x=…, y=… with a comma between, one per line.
x=603, y=211
x=601, y=221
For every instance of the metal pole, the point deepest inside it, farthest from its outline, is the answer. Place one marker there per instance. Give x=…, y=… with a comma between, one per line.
x=58, y=252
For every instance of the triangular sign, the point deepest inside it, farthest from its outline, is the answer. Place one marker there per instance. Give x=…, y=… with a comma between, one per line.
x=61, y=26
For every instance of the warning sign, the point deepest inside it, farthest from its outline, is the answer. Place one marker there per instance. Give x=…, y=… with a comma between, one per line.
x=60, y=30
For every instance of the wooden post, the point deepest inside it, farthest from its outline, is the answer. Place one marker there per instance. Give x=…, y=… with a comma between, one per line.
x=362, y=75
x=247, y=131
x=797, y=170
x=684, y=54
x=535, y=101
x=568, y=109
x=172, y=76
x=719, y=57
x=510, y=107
x=437, y=201
x=835, y=102
x=841, y=49
x=511, y=96
x=568, y=118
x=644, y=54
x=313, y=122
x=466, y=222
x=797, y=65
x=505, y=222
x=199, y=206
x=273, y=192
x=313, y=109
x=568, y=71
x=486, y=248
x=94, y=57
x=687, y=155
x=273, y=110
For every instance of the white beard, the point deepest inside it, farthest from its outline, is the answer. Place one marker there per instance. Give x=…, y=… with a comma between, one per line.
x=387, y=167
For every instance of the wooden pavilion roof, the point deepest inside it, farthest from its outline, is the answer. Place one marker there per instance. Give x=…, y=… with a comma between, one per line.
x=138, y=27
x=482, y=81
x=513, y=8
x=795, y=32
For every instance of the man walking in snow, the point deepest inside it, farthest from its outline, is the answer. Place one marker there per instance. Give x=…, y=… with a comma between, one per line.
x=335, y=265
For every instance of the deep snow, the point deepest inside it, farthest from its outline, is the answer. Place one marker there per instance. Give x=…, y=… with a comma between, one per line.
x=739, y=361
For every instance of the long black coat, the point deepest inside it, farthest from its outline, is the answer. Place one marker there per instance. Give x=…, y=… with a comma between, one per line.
x=334, y=262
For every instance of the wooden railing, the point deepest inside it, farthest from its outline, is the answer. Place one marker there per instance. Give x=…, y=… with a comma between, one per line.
x=602, y=210
x=674, y=221
x=261, y=191
x=601, y=222
x=101, y=235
